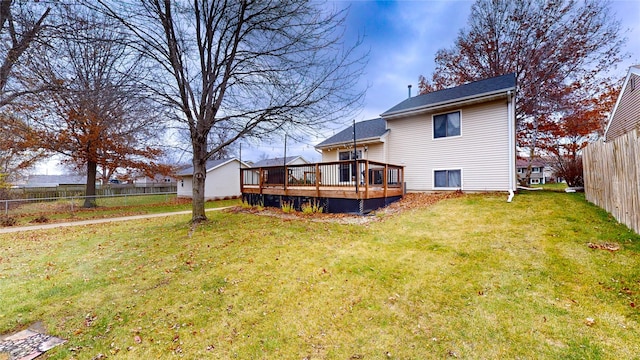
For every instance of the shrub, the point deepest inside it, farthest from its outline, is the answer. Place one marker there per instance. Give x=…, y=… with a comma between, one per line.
x=287, y=207
x=570, y=169
x=312, y=207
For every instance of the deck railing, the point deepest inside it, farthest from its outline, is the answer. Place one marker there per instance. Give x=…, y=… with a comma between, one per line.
x=351, y=178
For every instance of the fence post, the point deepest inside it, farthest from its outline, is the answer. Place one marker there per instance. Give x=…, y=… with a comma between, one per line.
x=6, y=207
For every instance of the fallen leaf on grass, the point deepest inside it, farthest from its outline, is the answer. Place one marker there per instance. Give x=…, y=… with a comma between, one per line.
x=604, y=246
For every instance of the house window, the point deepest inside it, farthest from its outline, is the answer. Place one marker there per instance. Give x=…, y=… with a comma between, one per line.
x=535, y=181
x=447, y=178
x=445, y=125
x=520, y=171
x=633, y=83
x=348, y=171
x=535, y=170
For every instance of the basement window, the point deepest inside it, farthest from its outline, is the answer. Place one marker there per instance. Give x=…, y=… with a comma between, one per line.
x=447, y=179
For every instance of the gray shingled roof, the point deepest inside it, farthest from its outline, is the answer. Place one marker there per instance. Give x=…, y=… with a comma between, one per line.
x=368, y=129
x=211, y=164
x=486, y=86
x=56, y=180
x=275, y=161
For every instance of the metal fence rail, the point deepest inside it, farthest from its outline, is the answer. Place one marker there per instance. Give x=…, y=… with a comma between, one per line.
x=79, y=190
x=72, y=203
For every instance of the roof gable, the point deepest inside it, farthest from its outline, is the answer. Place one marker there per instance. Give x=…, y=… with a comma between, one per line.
x=368, y=129
x=472, y=90
x=611, y=131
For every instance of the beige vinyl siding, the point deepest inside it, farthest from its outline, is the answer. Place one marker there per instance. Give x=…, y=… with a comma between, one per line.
x=375, y=152
x=481, y=151
x=627, y=115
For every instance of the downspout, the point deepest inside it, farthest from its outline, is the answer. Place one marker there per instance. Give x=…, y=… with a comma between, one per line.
x=512, y=144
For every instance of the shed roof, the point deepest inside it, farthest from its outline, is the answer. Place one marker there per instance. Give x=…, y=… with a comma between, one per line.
x=368, y=129
x=467, y=91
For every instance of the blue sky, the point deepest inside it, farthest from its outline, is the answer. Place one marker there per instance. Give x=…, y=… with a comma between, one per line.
x=403, y=37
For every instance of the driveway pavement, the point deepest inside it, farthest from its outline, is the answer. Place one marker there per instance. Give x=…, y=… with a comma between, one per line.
x=7, y=230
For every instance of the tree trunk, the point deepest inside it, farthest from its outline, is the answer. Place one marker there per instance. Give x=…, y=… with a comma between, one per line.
x=90, y=199
x=199, y=176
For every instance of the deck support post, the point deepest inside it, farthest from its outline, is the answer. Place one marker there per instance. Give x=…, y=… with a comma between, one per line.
x=317, y=180
x=385, y=182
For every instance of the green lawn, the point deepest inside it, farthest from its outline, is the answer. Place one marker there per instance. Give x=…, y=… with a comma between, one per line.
x=469, y=277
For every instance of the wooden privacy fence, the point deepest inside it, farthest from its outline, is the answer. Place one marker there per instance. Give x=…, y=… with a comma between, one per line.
x=612, y=177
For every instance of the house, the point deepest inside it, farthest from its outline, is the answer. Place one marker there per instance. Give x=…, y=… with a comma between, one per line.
x=626, y=112
x=541, y=173
x=460, y=138
x=222, y=180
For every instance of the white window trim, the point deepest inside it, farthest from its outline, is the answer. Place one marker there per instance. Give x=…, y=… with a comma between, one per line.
x=433, y=130
x=433, y=178
x=535, y=181
x=534, y=168
x=349, y=182
x=362, y=153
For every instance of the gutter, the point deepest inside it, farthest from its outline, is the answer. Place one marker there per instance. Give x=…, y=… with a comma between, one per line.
x=370, y=140
x=458, y=101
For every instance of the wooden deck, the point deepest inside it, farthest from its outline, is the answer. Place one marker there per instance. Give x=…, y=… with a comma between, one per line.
x=360, y=180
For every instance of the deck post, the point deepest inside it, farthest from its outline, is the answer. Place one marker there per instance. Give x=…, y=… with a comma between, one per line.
x=384, y=180
x=366, y=179
x=261, y=176
x=317, y=180
x=241, y=181
x=286, y=179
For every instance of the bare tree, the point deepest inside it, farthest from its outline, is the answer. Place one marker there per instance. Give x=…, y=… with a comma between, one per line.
x=99, y=117
x=21, y=25
x=553, y=47
x=243, y=68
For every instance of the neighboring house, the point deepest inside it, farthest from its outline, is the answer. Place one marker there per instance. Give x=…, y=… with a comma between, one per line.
x=626, y=112
x=289, y=160
x=461, y=138
x=277, y=176
x=56, y=180
x=158, y=179
x=541, y=173
x=222, y=180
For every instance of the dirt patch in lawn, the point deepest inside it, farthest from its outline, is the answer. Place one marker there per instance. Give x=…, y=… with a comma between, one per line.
x=410, y=201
